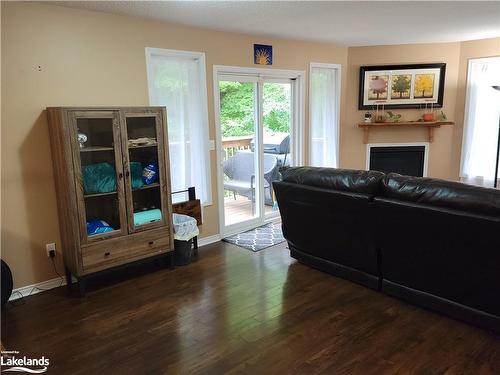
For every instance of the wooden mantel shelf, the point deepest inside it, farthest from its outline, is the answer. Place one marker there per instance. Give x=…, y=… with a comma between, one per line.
x=430, y=126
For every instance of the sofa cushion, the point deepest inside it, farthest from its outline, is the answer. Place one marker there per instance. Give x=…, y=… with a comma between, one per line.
x=441, y=193
x=367, y=182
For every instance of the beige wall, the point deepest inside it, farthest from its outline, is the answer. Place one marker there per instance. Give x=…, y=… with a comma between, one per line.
x=353, y=151
x=444, y=153
x=89, y=58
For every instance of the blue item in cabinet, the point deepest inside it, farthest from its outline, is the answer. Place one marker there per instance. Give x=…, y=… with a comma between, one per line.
x=98, y=227
x=150, y=173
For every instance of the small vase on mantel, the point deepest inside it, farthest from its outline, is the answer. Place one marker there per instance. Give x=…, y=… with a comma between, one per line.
x=429, y=113
x=380, y=115
x=429, y=117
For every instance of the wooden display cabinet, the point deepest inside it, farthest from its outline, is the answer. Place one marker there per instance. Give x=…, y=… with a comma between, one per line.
x=108, y=216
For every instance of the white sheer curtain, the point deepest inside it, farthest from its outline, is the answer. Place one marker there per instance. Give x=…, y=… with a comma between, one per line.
x=324, y=127
x=175, y=82
x=481, y=122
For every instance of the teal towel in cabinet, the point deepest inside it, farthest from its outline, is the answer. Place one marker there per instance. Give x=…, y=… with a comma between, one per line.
x=145, y=217
x=99, y=178
x=136, y=173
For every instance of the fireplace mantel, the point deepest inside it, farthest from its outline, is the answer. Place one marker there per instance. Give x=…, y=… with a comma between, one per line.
x=430, y=126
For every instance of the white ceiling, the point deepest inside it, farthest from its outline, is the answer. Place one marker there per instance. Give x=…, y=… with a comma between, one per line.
x=352, y=23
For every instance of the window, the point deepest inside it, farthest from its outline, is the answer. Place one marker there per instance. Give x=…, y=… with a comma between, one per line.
x=482, y=111
x=324, y=115
x=177, y=81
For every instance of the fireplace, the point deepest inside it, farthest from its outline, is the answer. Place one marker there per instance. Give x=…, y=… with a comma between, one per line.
x=406, y=159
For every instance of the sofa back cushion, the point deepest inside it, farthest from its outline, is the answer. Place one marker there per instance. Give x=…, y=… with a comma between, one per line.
x=441, y=193
x=365, y=182
x=329, y=224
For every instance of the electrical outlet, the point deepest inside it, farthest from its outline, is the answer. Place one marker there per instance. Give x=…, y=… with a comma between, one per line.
x=51, y=250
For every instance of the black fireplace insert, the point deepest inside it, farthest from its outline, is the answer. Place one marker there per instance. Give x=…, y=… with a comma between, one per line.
x=405, y=160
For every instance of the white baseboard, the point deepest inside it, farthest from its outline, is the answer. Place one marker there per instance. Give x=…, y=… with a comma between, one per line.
x=43, y=286
x=208, y=240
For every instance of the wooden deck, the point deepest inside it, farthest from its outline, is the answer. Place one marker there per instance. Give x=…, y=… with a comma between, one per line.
x=239, y=209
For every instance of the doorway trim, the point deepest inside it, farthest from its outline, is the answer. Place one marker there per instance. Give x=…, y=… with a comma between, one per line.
x=297, y=130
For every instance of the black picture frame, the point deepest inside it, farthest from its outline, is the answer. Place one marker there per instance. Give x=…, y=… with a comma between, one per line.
x=363, y=70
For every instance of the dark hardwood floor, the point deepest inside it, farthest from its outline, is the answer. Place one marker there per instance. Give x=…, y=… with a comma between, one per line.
x=234, y=311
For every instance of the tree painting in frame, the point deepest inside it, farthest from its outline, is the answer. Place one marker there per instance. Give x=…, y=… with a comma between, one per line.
x=262, y=54
x=401, y=86
x=424, y=86
x=377, y=87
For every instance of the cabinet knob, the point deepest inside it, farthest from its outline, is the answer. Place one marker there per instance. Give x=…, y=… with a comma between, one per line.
x=127, y=173
x=120, y=175
x=107, y=253
x=151, y=243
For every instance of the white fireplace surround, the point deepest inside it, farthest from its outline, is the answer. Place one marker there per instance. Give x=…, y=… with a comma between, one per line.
x=426, y=152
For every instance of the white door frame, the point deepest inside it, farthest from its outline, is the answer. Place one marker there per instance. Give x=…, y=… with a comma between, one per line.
x=296, y=131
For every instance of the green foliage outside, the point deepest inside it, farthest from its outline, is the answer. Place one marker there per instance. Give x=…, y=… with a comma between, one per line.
x=237, y=108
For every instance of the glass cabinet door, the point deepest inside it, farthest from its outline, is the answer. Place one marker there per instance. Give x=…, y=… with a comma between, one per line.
x=99, y=171
x=145, y=169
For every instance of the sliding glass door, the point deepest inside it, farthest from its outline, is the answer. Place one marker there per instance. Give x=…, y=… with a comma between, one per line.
x=240, y=158
x=255, y=121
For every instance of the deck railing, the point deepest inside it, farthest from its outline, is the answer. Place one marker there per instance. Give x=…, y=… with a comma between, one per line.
x=231, y=145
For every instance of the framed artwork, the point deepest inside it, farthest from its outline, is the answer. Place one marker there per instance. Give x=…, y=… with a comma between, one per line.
x=401, y=86
x=262, y=54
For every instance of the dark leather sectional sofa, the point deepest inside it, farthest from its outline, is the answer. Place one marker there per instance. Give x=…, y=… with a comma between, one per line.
x=431, y=242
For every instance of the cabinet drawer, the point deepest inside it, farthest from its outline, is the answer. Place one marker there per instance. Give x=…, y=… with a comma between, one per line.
x=126, y=249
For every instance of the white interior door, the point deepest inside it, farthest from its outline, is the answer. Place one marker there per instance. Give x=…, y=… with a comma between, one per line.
x=256, y=121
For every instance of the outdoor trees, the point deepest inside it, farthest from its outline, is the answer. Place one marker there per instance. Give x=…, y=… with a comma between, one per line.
x=237, y=108
x=276, y=108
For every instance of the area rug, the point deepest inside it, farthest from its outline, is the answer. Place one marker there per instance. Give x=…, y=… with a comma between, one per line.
x=259, y=238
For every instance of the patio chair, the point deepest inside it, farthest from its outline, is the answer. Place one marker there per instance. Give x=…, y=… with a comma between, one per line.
x=240, y=170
